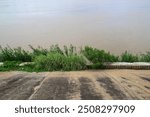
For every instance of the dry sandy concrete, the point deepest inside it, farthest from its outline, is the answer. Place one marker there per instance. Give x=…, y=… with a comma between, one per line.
x=79, y=85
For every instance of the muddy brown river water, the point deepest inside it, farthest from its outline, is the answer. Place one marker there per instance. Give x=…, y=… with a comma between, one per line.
x=113, y=25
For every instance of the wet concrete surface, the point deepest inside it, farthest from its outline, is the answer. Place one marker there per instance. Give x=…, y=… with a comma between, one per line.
x=79, y=85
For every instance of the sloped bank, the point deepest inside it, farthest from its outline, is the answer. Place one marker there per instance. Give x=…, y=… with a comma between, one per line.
x=79, y=85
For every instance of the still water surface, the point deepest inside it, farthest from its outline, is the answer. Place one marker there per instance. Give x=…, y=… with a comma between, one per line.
x=113, y=25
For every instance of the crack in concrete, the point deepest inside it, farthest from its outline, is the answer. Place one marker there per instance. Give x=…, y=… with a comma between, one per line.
x=37, y=87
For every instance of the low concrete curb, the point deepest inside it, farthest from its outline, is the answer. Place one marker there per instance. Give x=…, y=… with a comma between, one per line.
x=126, y=65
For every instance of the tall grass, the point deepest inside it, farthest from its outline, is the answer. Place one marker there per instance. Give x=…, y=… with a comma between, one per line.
x=66, y=58
x=56, y=58
x=145, y=57
x=98, y=56
x=71, y=50
x=57, y=61
x=38, y=51
x=53, y=49
x=128, y=57
x=15, y=54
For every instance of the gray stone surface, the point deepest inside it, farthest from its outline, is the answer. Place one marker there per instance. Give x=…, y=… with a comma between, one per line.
x=85, y=85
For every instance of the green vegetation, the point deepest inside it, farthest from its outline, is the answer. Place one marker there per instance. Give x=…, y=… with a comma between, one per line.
x=145, y=57
x=62, y=59
x=15, y=54
x=57, y=61
x=128, y=57
x=96, y=66
x=14, y=65
x=9, y=65
x=98, y=56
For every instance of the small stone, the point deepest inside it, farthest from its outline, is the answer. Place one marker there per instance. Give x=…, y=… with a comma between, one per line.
x=1, y=63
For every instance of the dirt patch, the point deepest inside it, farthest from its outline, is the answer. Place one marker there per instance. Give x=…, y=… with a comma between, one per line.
x=87, y=90
x=110, y=87
x=146, y=79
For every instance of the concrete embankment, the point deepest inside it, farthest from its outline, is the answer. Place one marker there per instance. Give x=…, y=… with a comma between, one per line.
x=126, y=65
x=80, y=85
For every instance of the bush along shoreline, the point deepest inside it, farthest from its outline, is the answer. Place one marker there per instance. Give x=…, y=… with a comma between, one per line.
x=62, y=59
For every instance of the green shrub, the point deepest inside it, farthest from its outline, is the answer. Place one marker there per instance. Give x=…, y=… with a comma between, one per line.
x=71, y=50
x=74, y=62
x=38, y=51
x=128, y=57
x=98, y=56
x=56, y=49
x=15, y=54
x=11, y=64
x=145, y=57
x=41, y=51
x=57, y=61
x=1, y=57
x=96, y=66
x=50, y=62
